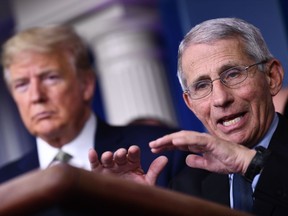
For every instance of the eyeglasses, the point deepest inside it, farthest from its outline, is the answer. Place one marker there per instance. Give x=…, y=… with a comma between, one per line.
x=229, y=78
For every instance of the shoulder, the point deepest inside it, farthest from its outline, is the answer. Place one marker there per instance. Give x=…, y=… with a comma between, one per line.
x=19, y=166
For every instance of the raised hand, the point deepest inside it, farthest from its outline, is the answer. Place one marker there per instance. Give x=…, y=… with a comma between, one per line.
x=207, y=152
x=127, y=164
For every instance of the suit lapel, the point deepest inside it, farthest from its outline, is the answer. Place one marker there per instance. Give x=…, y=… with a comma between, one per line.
x=29, y=161
x=215, y=187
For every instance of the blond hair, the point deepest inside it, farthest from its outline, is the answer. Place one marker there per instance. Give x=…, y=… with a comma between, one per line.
x=44, y=40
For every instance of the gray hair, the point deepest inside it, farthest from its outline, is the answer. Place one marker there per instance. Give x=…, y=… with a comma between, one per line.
x=224, y=28
x=44, y=40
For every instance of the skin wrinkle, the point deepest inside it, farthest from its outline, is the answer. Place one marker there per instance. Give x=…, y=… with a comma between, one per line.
x=52, y=86
x=221, y=97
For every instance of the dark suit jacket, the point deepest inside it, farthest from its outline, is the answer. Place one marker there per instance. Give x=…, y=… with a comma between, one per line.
x=271, y=192
x=110, y=138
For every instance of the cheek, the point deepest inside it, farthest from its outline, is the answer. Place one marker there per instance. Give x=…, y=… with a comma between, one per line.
x=65, y=102
x=22, y=105
x=24, y=111
x=65, y=93
x=68, y=101
x=255, y=92
x=201, y=110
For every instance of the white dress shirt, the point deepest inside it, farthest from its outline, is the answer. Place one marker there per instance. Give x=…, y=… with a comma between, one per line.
x=78, y=147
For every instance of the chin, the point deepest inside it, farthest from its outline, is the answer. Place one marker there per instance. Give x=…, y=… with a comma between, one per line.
x=236, y=138
x=47, y=131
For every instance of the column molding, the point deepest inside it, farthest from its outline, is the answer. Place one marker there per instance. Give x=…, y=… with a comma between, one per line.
x=124, y=37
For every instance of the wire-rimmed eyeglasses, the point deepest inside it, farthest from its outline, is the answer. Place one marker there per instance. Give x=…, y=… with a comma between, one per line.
x=229, y=78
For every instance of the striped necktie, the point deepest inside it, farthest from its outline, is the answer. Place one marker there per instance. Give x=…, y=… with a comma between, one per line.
x=61, y=156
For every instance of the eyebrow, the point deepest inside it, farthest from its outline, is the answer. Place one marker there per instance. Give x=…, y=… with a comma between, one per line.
x=222, y=69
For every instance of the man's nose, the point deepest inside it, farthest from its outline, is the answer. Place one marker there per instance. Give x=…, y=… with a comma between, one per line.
x=36, y=91
x=220, y=94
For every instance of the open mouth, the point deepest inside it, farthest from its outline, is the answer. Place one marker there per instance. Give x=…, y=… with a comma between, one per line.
x=231, y=120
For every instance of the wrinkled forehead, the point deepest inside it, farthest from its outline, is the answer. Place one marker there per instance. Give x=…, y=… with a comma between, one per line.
x=210, y=59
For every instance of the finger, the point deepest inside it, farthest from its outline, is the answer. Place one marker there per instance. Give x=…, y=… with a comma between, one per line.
x=158, y=146
x=93, y=159
x=198, y=148
x=107, y=159
x=196, y=161
x=134, y=154
x=120, y=156
x=166, y=142
x=183, y=140
x=155, y=169
x=158, y=143
x=180, y=145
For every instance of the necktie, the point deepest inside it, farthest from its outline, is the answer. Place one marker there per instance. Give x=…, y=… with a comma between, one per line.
x=61, y=156
x=242, y=193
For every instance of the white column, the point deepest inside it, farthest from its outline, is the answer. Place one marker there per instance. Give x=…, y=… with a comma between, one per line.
x=123, y=37
x=132, y=73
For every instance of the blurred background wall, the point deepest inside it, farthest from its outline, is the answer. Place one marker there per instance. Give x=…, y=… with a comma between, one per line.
x=135, y=44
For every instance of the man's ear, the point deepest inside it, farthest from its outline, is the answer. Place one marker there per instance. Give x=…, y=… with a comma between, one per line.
x=275, y=75
x=89, y=84
x=188, y=101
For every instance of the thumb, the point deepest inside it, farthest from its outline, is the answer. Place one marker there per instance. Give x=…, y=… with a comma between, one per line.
x=155, y=169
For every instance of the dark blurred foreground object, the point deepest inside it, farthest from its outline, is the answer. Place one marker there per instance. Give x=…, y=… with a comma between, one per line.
x=66, y=190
